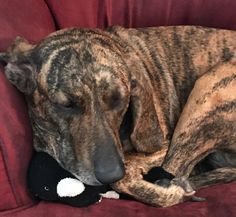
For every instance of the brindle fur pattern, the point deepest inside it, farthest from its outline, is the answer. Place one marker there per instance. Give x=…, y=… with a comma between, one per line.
x=93, y=94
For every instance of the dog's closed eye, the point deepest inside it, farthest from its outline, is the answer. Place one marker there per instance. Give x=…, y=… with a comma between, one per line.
x=114, y=100
x=71, y=107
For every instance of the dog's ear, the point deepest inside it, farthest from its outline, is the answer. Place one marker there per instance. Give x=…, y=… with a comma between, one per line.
x=19, y=69
x=22, y=75
x=4, y=57
x=147, y=135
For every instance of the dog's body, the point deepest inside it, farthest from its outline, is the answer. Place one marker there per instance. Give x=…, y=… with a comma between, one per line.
x=96, y=96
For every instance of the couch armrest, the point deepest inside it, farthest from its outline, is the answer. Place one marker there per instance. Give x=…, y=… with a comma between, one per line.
x=30, y=19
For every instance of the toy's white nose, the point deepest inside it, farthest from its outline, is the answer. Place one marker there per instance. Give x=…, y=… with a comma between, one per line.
x=70, y=187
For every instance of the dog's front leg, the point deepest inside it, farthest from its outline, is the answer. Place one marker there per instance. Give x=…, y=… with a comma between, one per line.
x=134, y=184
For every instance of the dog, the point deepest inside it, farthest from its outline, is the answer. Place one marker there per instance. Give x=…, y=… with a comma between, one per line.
x=111, y=104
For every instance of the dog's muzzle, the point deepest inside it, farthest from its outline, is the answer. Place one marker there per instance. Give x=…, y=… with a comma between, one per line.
x=108, y=164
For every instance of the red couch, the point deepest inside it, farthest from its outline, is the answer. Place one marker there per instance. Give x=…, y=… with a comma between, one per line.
x=34, y=19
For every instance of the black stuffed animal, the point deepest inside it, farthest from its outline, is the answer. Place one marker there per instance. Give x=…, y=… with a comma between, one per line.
x=47, y=180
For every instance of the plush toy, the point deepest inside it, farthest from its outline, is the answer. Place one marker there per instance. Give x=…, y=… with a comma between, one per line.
x=47, y=180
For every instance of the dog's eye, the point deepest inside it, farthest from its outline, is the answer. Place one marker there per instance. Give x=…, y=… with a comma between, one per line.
x=71, y=107
x=67, y=105
x=114, y=100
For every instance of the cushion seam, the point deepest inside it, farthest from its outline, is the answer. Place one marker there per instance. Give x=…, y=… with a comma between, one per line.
x=7, y=172
x=56, y=25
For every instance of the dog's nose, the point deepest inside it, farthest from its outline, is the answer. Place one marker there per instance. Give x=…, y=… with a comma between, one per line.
x=110, y=173
x=108, y=165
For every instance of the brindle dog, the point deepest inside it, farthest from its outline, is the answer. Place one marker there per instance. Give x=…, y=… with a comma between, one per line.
x=110, y=105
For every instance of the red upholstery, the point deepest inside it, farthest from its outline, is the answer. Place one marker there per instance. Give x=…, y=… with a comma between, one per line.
x=32, y=20
x=133, y=13
x=35, y=19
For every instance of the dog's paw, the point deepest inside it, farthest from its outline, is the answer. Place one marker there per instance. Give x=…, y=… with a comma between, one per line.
x=185, y=184
x=174, y=191
x=189, y=191
x=172, y=195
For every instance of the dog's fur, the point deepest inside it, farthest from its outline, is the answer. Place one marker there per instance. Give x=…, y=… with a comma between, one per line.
x=99, y=98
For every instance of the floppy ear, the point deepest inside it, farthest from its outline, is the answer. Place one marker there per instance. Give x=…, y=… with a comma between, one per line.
x=23, y=76
x=147, y=135
x=4, y=57
x=19, y=70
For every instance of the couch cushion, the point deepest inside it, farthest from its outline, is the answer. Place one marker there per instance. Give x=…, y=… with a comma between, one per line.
x=30, y=19
x=220, y=203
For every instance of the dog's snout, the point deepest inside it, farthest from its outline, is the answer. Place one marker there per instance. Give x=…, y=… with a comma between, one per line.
x=108, y=164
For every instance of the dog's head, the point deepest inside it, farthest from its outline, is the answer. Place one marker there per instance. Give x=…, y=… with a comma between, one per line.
x=78, y=89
